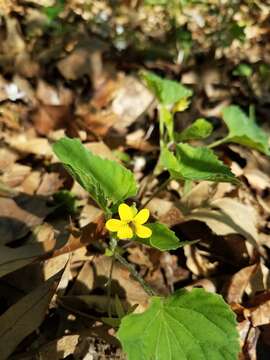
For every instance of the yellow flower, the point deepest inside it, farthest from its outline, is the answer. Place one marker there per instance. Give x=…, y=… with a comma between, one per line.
x=181, y=105
x=130, y=222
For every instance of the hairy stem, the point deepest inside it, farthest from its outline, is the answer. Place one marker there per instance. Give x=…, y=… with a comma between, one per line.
x=158, y=190
x=147, y=288
x=109, y=288
x=216, y=143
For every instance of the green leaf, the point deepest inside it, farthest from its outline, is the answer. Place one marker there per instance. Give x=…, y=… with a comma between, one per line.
x=166, y=119
x=163, y=238
x=156, y=2
x=244, y=130
x=200, y=129
x=243, y=70
x=168, y=92
x=196, y=163
x=169, y=162
x=105, y=180
x=194, y=325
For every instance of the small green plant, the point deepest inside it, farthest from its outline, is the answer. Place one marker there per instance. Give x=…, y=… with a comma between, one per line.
x=187, y=324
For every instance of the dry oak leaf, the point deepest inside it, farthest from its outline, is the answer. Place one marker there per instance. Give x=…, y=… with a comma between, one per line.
x=228, y=216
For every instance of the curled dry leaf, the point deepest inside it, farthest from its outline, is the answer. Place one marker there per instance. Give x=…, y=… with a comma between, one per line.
x=238, y=284
x=229, y=216
x=197, y=263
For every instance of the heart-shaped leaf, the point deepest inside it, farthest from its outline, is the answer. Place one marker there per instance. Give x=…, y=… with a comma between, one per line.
x=244, y=130
x=193, y=325
x=163, y=238
x=105, y=180
x=196, y=163
x=200, y=129
x=168, y=92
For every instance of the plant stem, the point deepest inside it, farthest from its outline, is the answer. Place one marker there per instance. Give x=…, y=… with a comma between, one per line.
x=216, y=143
x=109, y=288
x=113, y=244
x=158, y=190
x=147, y=288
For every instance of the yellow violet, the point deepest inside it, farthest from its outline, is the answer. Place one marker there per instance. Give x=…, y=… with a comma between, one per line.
x=181, y=105
x=130, y=222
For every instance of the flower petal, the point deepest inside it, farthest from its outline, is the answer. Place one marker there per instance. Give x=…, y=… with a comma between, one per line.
x=113, y=225
x=143, y=231
x=125, y=212
x=142, y=216
x=125, y=232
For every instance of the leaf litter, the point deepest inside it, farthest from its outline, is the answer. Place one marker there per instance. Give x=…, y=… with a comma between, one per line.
x=61, y=78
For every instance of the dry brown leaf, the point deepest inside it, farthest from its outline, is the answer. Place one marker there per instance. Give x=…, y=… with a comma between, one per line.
x=19, y=215
x=98, y=124
x=30, y=183
x=229, y=216
x=49, y=184
x=50, y=95
x=165, y=212
x=88, y=234
x=260, y=280
x=261, y=315
x=14, y=259
x=88, y=214
x=47, y=118
x=7, y=158
x=105, y=94
x=257, y=179
x=197, y=263
x=28, y=145
x=25, y=316
x=95, y=274
x=15, y=174
x=132, y=99
x=80, y=62
x=238, y=284
x=60, y=348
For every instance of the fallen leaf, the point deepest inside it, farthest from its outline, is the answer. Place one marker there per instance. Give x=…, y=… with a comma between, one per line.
x=25, y=316
x=14, y=259
x=197, y=263
x=95, y=273
x=25, y=144
x=132, y=99
x=60, y=348
x=47, y=118
x=15, y=174
x=50, y=184
x=238, y=284
x=19, y=215
x=261, y=315
x=229, y=216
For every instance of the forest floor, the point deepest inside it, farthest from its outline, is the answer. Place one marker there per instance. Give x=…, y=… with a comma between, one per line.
x=71, y=70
